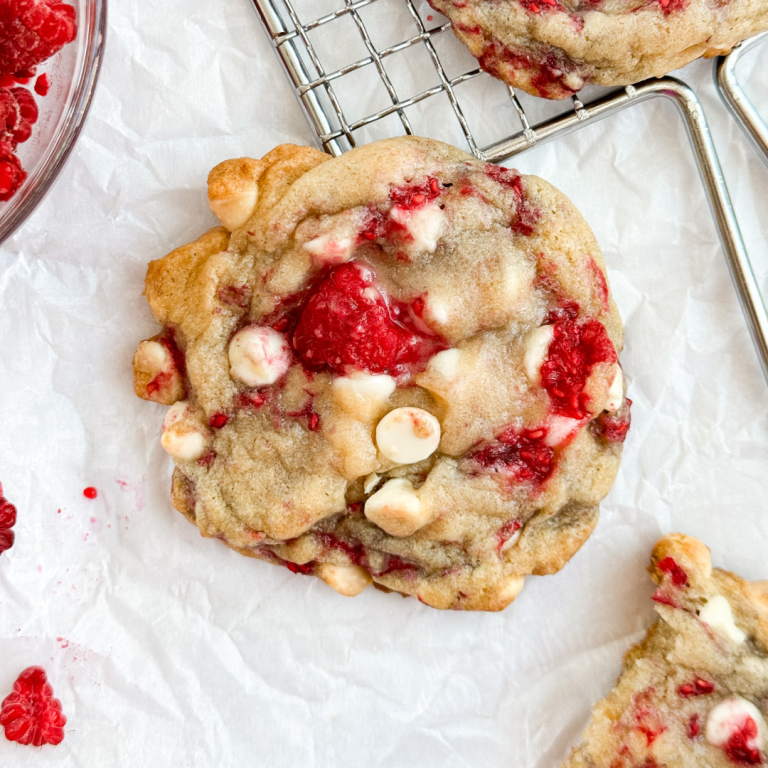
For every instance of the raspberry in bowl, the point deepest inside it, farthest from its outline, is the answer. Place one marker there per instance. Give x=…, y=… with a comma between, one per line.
x=50, y=55
x=396, y=367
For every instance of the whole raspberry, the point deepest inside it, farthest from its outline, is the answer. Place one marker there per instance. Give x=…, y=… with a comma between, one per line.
x=30, y=714
x=12, y=175
x=7, y=521
x=32, y=31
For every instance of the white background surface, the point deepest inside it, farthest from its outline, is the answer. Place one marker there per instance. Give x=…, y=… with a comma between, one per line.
x=170, y=650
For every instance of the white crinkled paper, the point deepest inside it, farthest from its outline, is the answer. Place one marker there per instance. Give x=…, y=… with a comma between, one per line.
x=170, y=650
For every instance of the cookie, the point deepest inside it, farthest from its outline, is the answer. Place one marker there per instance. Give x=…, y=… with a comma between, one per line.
x=397, y=366
x=694, y=692
x=553, y=48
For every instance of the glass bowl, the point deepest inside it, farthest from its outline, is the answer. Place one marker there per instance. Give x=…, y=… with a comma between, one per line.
x=73, y=73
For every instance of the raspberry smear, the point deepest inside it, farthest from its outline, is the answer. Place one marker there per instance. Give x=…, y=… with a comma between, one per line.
x=347, y=322
x=7, y=521
x=30, y=714
x=738, y=748
x=32, y=31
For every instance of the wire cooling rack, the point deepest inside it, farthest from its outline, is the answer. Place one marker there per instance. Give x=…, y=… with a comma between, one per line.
x=735, y=98
x=427, y=84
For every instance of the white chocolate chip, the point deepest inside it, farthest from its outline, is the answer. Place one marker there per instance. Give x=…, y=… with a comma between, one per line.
x=182, y=437
x=717, y=614
x=363, y=395
x=408, y=435
x=330, y=248
x=152, y=357
x=730, y=717
x=396, y=508
x=445, y=363
x=436, y=310
x=512, y=540
x=370, y=482
x=347, y=580
x=517, y=276
x=536, y=349
x=561, y=429
x=616, y=392
x=258, y=356
x=235, y=211
x=424, y=225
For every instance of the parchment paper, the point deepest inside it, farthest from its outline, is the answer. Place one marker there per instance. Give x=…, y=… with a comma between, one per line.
x=170, y=650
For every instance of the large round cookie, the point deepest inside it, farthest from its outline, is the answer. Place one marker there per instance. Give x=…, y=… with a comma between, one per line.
x=553, y=48
x=398, y=365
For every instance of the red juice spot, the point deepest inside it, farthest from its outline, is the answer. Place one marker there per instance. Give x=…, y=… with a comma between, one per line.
x=674, y=571
x=659, y=597
x=30, y=714
x=90, y=493
x=430, y=17
x=42, y=85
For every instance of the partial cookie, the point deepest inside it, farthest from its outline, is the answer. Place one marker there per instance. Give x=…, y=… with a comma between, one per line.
x=400, y=367
x=553, y=48
x=694, y=693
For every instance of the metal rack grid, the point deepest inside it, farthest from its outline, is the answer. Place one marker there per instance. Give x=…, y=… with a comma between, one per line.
x=316, y=89
x=735, y=98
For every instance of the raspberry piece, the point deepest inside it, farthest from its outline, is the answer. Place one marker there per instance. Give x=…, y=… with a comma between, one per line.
x=7, y=521
x=693, y=728
x=348, y=322
x=738, y=747
x=90, y=493
x=42, y=85
x=577, y=346
x=674, y=571
x=524, y=454
x=218, y=421
x=30, y=714
x=526, y=217
x=698, y=687
x=416, y=195
x=32, y=31
x=613, y=427
x=27, y=104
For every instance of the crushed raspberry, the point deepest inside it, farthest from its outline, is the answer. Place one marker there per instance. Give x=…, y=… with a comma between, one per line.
x=738, y=750
x=308, y=412
x=526, y=217
x=537, y=6
x=674, y=571
x=672, y=6
x=218, y=420
x=32, y=31
x=506, y=532
x=693, y=729
x=347, y=322
x=30, y=714
x=698, y=687
x=7, y=521
x=207, y=459
x=524, y=455
x=613, y=427
x=576, y=347
x=250, y=399
x=42, y=85
x=416, y=195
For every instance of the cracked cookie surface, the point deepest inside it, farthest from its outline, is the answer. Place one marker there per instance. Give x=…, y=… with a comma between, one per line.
x=694, y=692
x=398, y=366
x=553, y=48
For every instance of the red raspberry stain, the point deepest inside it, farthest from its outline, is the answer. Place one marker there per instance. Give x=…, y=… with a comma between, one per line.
x=693, y=728
x=526, y=217
x=347, y=322
x=7, y=521
x=218, y=420
x=30, y=714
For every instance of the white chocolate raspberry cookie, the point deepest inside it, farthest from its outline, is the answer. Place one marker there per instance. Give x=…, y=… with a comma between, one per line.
x=553, y=48
x=401, y=369
x=694, y=692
